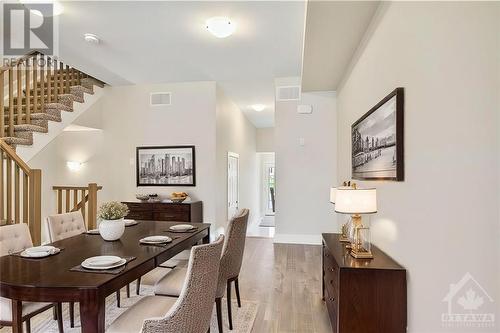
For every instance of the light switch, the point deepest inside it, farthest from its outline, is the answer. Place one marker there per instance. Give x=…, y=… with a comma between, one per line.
x=302, y=142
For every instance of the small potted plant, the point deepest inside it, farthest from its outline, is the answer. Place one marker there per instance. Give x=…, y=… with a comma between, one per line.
x=112, y=225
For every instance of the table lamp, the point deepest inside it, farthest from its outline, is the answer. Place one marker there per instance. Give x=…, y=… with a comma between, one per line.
x=355, y=202
x=344, y=229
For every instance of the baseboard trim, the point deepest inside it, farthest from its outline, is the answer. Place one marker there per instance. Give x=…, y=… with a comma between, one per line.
x=298, y=239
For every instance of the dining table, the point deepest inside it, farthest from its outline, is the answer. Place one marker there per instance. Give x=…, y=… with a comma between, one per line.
x=53, y=278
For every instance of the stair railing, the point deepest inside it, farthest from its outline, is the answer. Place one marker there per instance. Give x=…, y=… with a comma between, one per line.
x=30, y=82
x=74, y=198
x=20, y=192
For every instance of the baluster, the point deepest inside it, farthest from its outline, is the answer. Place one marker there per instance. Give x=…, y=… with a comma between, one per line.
x=83, y=204
x=75, y=200
x=2, y=108
x=49, y=80
x=61, y=81
x=66, y=75
x=19, y=94
x=11, y=102
x=42, y=82
x=35, y=202
x=68, y=194
x=25, y=197
x=35, y=82
x=28, y=91
x=59, y=201
x=2, y=216
x=9, y=190
x=92, y=205
x=56, y=92
x=79, y=77
x=17, y=194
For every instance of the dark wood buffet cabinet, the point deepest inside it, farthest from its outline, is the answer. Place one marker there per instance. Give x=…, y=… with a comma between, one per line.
x=363, y=295
x=187, y=211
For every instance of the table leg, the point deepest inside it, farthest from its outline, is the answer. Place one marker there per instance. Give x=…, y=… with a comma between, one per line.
x=92, y=311
x=206, y=239
x=17, y=316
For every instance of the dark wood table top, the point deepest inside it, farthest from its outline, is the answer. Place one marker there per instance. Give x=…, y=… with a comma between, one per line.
x=345, y=260
x=54, y=271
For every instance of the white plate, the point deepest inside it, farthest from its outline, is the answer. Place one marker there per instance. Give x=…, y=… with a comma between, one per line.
x=118, y=264
x=129, y=223
x=26, y=254
x=156, y=239
x=40, y=249
x=102, y=261
x=181, y=227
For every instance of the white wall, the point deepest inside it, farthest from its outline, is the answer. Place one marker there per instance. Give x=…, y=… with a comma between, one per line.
x=304, y=174
x=235, y=133
x=128, y=121
x=443, y=220
x=265, y=140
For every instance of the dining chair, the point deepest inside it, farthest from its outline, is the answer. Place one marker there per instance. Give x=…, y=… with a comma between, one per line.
x=191, y=311
x=230, y=265
x=65, y=225
x=15, y=238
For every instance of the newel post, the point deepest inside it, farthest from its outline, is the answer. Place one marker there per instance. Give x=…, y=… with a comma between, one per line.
x=35, y=206
x=92, y=206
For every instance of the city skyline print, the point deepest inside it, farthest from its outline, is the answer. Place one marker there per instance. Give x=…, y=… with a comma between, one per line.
x=377, y=141
x=166, y=166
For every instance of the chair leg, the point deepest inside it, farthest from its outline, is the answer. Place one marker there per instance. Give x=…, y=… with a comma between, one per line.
x=118, y=298
x=28, y=325
x=72, y=314
x=128, y=290
x=237, y=287
x=54, y=313
x=60, y=324
x=218, y=307
x=138, y=286
x=228, y=296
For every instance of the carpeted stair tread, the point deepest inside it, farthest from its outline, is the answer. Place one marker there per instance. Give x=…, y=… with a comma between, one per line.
x=58, y=106
x=14, y=141
x=45, y=116
x=29, y=128
x=83, y=89
x=89, y=82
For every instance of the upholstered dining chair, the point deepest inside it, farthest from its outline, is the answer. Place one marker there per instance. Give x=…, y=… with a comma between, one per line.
x=15, y=238
x=191, y=311
x=230, y=265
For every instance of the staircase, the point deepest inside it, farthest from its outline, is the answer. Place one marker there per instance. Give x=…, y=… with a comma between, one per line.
x=39, y=96
x=38, y=91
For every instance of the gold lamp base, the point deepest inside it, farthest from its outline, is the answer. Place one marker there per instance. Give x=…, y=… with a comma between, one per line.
x=358, y=250
x=362, y=254
x=344, y=239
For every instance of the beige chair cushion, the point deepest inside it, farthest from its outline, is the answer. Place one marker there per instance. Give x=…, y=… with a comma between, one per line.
x=65, y=225
x=148, y=307
x=14, y=238
x=155, y=275
x=28, y=307
x=171, y=284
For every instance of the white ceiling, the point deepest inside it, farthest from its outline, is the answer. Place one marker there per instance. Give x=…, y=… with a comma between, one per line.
x=158, y=42
x=334, y=29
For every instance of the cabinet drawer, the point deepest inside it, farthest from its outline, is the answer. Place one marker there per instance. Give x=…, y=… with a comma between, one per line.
x=139, y=207
x=172, y=208
x=332, y=306
x=138, y=215
x=171, y=216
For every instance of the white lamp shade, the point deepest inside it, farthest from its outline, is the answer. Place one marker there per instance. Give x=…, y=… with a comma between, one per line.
x=333, y=194
x=359, y=201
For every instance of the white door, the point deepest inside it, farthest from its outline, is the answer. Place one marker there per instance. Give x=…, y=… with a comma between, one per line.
x=232, y=184
x=269, y=188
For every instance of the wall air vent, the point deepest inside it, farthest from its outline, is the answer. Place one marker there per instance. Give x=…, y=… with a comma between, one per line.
x=287, y=93
x=160, y=98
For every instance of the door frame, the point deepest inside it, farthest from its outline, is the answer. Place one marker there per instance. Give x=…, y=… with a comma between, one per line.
x=231, y=154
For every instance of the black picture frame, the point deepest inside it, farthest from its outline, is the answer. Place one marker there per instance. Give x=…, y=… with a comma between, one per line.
x=159, y=176
x=363, y=152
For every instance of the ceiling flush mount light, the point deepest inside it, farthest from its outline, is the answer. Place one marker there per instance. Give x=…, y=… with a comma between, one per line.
x=74, y=166
x=220, y=26
x=91, y=38
x=258, y=107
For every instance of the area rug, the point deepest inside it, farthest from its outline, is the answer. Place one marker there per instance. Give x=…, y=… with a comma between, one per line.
x=243, y=318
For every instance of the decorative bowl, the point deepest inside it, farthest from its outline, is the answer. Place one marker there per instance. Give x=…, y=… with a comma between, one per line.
x=142, y=197
x=178, y=199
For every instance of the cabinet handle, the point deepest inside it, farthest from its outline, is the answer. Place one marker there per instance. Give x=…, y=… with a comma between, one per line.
x=332, y=269
x=327, y=255
x=332, y=299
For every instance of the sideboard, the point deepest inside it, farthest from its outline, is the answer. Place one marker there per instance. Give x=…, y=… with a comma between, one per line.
x=363, y=295
x=188, y=211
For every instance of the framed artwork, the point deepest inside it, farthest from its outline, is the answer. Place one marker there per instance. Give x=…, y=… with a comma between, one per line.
x=166, y=166
x=378, y=141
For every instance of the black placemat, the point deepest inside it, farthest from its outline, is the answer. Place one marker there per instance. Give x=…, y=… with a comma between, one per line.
x=18, y=254
x=113, y=271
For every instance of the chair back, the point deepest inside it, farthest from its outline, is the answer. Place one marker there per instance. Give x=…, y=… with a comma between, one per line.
x=192, y=311
x=232, y=253
x=65, y=225
x=14, y=238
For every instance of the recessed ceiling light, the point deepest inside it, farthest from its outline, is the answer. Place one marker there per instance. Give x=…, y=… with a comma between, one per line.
x=91, y=38
x=258, y=107
x=220, y=26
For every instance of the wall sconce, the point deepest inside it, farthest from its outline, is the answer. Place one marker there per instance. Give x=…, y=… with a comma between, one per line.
x=74, y=166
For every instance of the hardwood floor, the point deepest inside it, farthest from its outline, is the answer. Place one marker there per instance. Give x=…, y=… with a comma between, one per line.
x=286, y=280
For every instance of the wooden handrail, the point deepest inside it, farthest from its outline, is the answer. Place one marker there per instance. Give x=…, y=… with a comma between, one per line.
x=83, y=198
x=19, y=61
x=20, y=192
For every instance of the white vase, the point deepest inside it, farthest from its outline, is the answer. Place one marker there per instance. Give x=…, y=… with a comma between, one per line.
x=111, y=230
